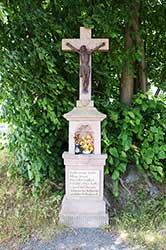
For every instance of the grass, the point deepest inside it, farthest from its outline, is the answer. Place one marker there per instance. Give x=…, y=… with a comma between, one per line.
x=144, y=228
x=142, y=232
x=21, y=214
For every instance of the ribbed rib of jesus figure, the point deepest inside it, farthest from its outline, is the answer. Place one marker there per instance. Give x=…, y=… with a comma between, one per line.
x=85, y=67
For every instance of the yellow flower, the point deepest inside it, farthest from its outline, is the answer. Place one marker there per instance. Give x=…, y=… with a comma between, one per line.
x=88, y=137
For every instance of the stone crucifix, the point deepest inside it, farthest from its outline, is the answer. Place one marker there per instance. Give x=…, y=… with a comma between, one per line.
x=85, y=46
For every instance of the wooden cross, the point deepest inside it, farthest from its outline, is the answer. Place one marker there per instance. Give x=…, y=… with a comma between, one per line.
x=85, y=46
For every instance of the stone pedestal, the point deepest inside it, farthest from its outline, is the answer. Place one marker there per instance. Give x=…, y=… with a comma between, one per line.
x=83, y=204
x=85, y=116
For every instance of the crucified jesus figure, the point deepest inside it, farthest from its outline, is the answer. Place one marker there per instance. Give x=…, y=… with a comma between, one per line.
x=85, y=67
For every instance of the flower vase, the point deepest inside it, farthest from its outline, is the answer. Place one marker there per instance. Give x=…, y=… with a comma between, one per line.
x=77, y=149
x=86, y=152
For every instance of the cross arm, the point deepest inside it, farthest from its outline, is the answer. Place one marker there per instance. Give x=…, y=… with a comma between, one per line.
x=72, y=47
x=99, y=44
x=98, y=47
x=75, y=43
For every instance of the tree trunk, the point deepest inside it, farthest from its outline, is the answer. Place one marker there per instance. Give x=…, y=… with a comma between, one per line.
x=133, y=77
x=127, y=80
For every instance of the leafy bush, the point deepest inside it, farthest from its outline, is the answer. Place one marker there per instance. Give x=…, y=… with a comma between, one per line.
x=136, y=135
x=38, y=86
x=35, y=95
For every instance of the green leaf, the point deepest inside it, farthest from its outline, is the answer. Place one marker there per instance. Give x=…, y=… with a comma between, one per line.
x=114, y=35
x=116, y=188
x=110, y=160
x=148, y=160
x=157, y=172
x=117, y=162
x=154, y=129
x=122, y=167
x=104, y=123
x=123, y=154
x=162, y=155
x=126, y=141
x=30, y=173
x=131, y=114
x=132, y=123
x=146, y=166
x=148, y=155
x=115, y=175
x=113, y=151
x=163, y=148
x=106, y=170
x=124, y=138
x=144, y=106
x=137, y=121
x=114, y=116
x=160, y=171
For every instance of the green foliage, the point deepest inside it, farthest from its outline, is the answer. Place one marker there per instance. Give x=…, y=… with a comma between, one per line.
x=39, y=83
x=136, y=135
x=21, y=213
x=3, y=14
x=34, y=92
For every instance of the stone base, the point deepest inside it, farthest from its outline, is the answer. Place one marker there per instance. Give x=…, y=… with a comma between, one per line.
x=83, y=213
x=83, y=204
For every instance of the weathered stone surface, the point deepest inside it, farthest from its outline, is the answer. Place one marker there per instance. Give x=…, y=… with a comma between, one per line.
x=85, y=39
x=83, y=204
x=83, y=220
x=85, y=163
x=85, y=116
x=91, y=43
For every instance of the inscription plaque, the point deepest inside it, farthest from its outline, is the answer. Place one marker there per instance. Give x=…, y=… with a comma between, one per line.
x=84, y=183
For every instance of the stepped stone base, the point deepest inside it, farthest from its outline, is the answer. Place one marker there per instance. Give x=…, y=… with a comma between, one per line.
x=83, y=213
x=83, y=204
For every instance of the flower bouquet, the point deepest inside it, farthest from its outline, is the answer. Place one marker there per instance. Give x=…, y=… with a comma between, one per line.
x=86, y=143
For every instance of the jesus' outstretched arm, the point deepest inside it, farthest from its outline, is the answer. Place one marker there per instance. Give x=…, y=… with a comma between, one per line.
x=97, y=47
x=72, y=47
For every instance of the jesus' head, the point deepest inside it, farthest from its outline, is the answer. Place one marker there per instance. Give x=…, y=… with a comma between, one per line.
x=83, y=48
